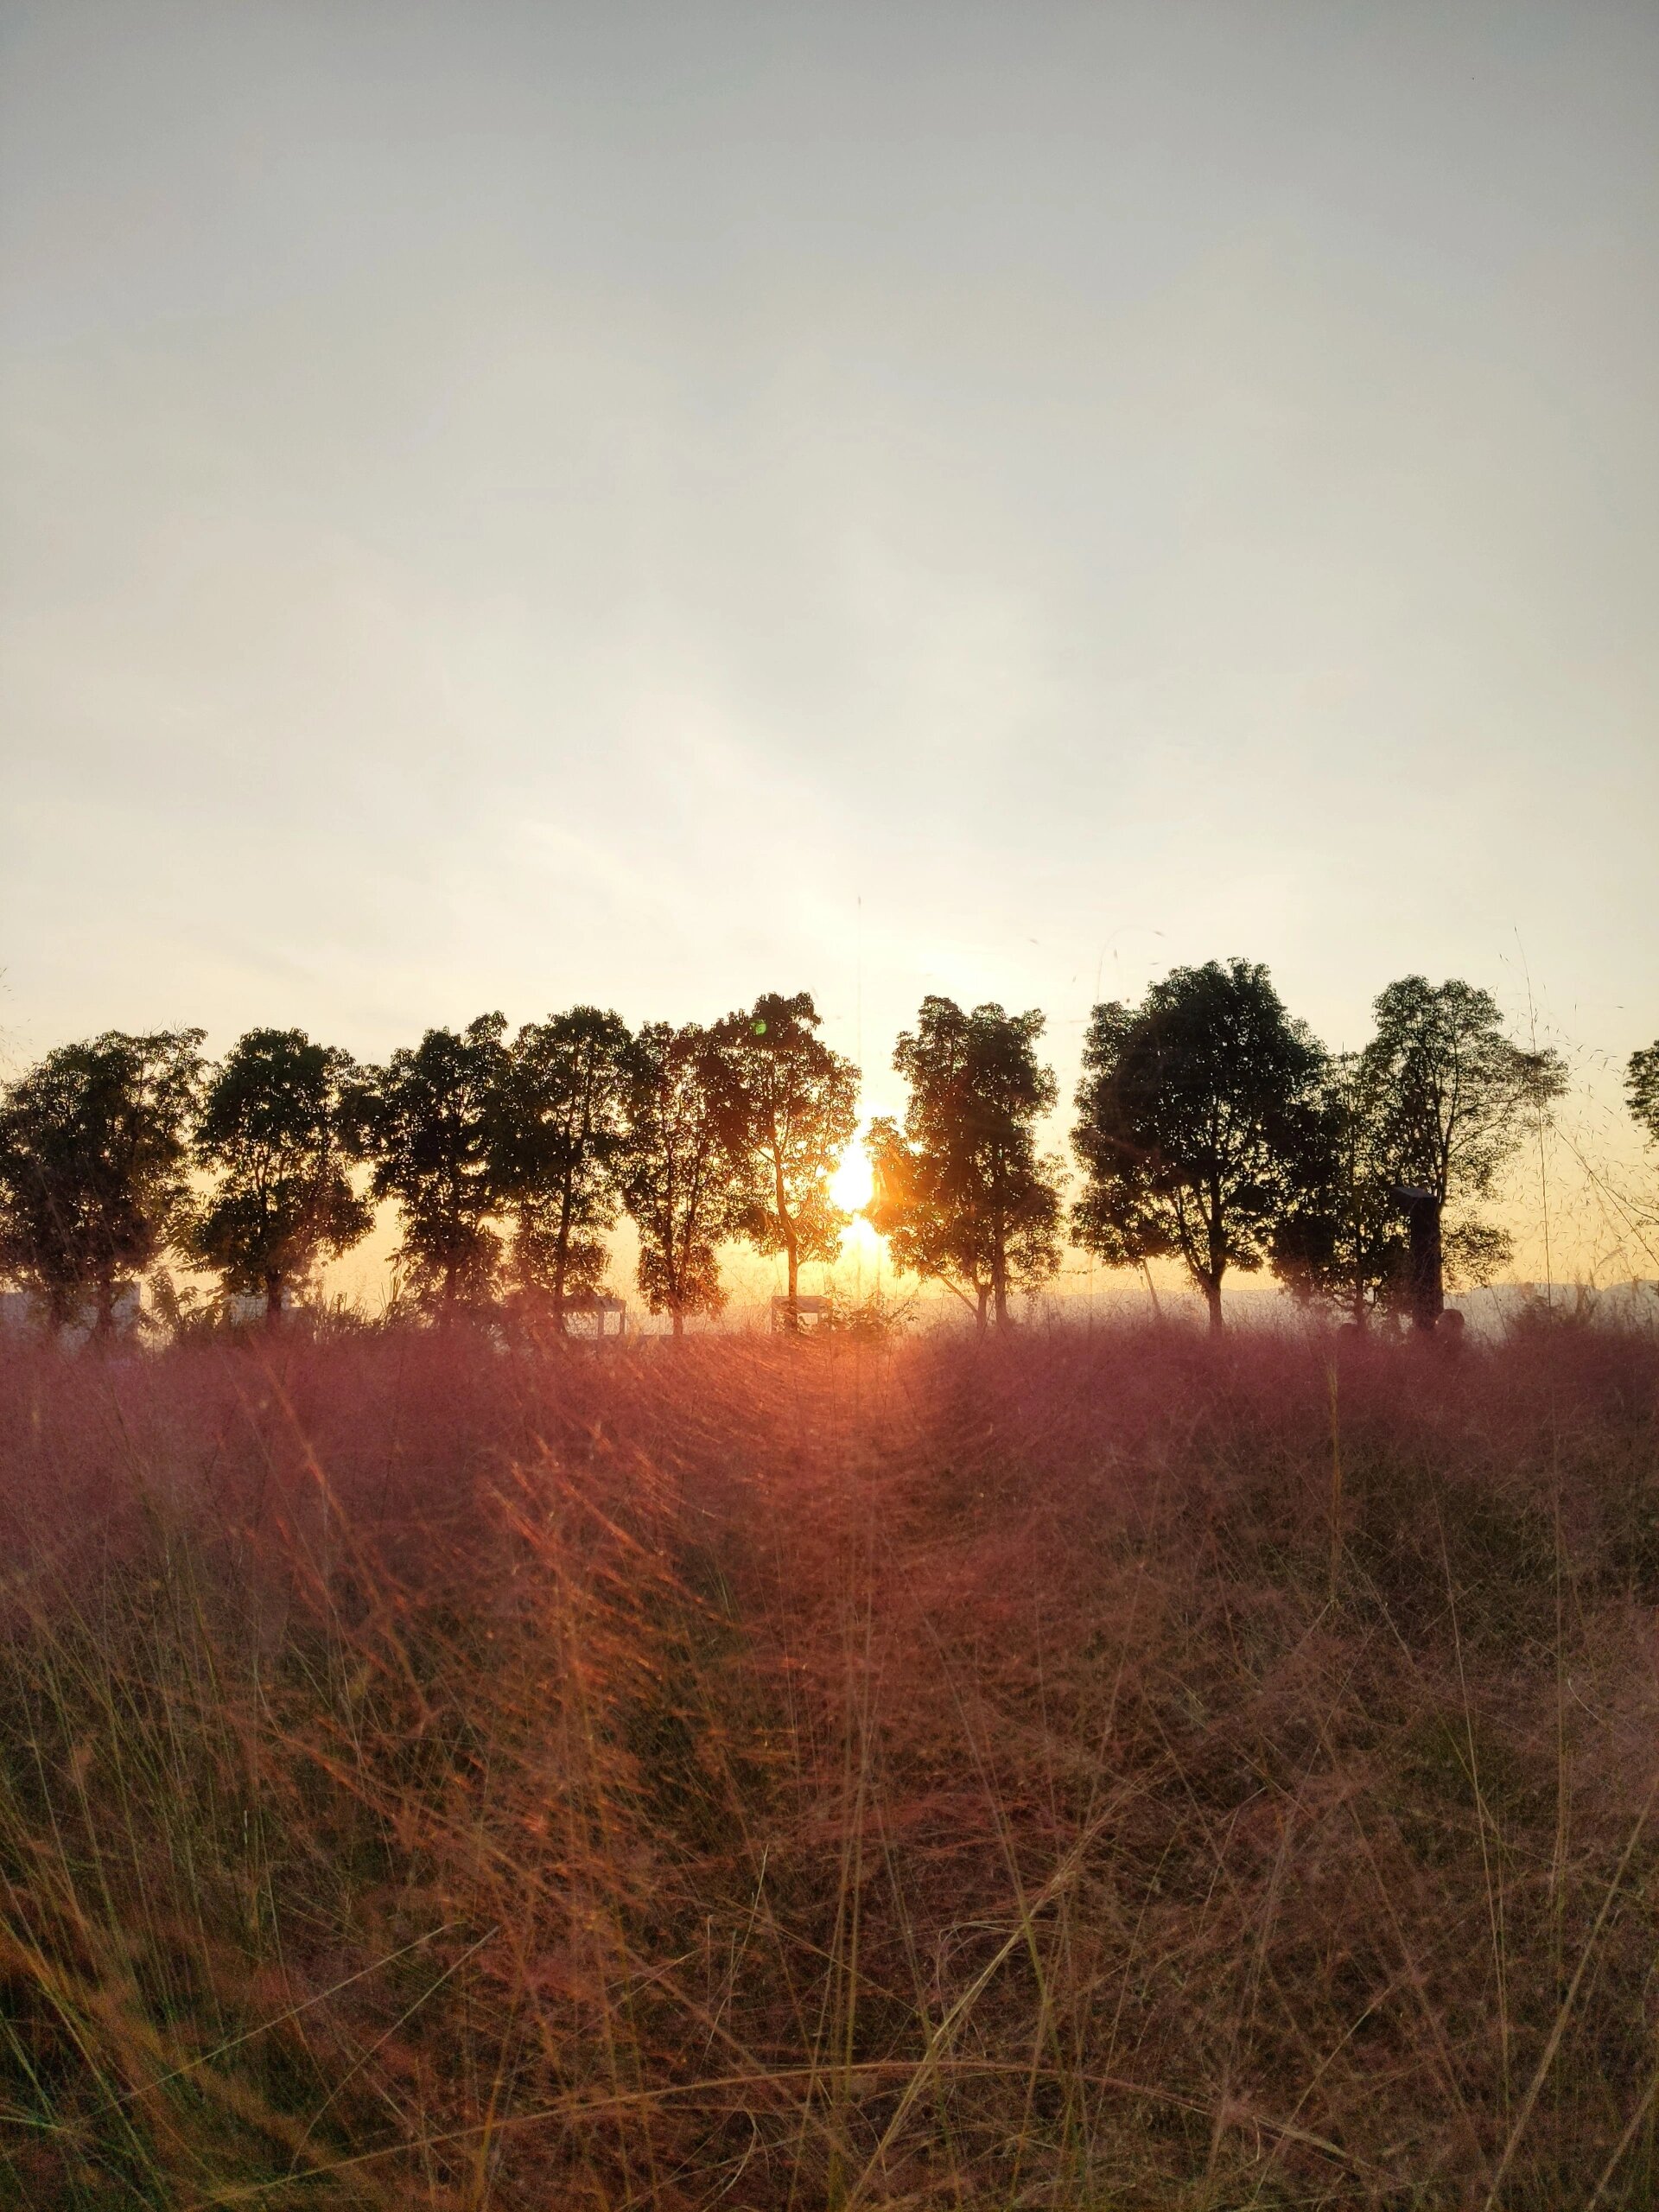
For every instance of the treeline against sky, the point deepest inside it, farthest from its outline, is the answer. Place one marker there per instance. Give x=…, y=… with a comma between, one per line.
x=1211, y=1128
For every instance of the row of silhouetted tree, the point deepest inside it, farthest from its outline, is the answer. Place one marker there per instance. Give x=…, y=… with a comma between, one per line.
x=1214, y=1128
x=508, y=1159
x=1211, y=1128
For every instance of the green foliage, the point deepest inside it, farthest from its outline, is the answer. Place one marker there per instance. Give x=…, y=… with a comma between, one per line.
x=426, y=1122
x=960, y=1192
x=1641, y=1088
x=1198, y=1123
x=93, y=1159
x=558, y=1141
x=677, y=1173
x=791, y=1104
x=270, y=1129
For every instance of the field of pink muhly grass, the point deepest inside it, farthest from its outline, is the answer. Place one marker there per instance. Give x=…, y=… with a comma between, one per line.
x=1104, y=1770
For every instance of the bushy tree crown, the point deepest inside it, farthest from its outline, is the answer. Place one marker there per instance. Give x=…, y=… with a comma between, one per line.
x=1196, y=1115
x=94, y=1159
x=271, y=1130
x=426, y=1121
x=962, y=1193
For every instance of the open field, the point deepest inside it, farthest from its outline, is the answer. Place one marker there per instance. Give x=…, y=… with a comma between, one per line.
x=1098, y=1770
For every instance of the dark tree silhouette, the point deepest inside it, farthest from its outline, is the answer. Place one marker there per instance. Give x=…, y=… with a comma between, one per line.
x=1341, y=1237
x=426, y=1122
x=961, y=1192
x=1454, y=1095
x=1641, y=1088
x=676, y=1175
x=271, y=1131
x=560, y=1134
x=792, y=1107
x=94, y=1158
x=1196, y=1121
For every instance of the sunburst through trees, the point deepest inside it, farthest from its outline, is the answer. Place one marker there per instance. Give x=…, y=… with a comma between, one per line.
x=1211, y=1128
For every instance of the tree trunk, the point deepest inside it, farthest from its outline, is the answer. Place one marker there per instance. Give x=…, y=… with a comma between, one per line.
x=1426, y=1262
x=273, y=1300
x=1000, y=1286
x=676, y=1320
x=981, y=1292
x=560, y=1264
x=103, y=1313
x=1434, y=1288
x=1217, y=1264
x=792, y=1249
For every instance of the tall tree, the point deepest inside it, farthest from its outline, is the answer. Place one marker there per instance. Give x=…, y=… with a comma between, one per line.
x=271, y=1131
x=1641, y=1088
x=962, y=1194
x=1456, y=1096
x=94, y=1159
x=676, y=1171
x=1340, y=1237
x=560, y=1134
x=427, y=1123
x=1196, y=1117
x=792, y=1107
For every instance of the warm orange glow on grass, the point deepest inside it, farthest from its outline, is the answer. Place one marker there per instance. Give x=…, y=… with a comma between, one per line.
x=1009, y=1526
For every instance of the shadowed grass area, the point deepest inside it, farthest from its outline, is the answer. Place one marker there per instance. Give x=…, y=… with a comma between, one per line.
x=1100, y=1770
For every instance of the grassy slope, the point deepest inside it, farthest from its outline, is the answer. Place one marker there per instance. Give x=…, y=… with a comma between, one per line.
x=1105, y=1771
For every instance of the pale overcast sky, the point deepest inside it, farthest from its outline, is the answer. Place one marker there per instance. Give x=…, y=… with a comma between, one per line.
x=507, y=505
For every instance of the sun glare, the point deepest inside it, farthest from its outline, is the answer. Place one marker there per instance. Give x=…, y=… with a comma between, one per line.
x=852, y=1183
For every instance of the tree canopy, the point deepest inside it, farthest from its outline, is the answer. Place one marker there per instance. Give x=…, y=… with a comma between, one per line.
x=1641, y=1088
x=792, y=1107
x=962, y=1194
x=270, y=1129
x=677, y=1170
x=1211, y=1127
x=94, y=1159
x=1340, y=1237
x=426, y=1121
x=1196, y=1116
x=559, y=1140
x=1456, y=1097
x=1435, y=1105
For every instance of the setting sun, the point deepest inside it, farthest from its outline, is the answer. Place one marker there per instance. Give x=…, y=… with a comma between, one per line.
x=853, y=1182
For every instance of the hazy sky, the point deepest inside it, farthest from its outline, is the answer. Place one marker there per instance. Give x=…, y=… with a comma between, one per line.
x=508, y=505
